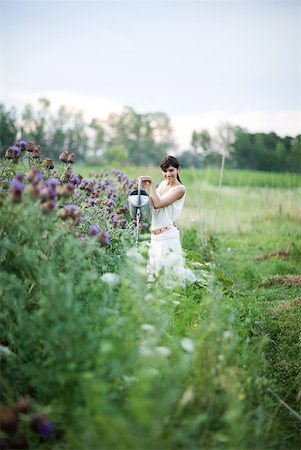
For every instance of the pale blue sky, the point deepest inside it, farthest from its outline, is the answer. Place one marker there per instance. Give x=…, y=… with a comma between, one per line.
x=198, y=61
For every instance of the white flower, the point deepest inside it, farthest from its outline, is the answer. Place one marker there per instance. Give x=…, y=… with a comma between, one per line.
x=176, y=302
x=147, y=327
x=145, y=350
x=164, y=351
x=110, y=278
x=187, y=345
x=187, y=397
x=227, y=334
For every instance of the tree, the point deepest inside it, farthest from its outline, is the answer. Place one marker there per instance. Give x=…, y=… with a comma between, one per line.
x=8, y=128
x=146, y=137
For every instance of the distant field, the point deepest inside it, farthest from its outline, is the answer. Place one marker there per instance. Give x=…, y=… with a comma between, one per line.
x=231, y=177
x=245, y=196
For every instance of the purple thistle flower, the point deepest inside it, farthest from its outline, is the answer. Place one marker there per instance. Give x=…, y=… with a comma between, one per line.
x=103, y=238
x=13, y=152
x=19, y=176
x=22, y=144
x=16, y=185
x=90, y=201
x=110, y=202
x=75, y=180
x=93, y=230
x=72, y=208
x=48, y=206
x=34, y=175
x=53, y=182
x=42, y=426
x=64, y=156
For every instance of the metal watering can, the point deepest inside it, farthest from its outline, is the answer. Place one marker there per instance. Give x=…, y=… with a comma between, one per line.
x=139, y=203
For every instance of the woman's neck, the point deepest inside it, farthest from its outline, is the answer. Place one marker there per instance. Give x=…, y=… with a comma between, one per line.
x=172, y=183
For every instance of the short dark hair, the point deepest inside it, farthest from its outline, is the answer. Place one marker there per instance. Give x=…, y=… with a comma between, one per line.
x=170, y=161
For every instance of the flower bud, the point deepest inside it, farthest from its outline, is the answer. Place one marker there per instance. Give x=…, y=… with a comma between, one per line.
x=36, y=152
x=48, y=163
x=8, y=420
x=103, y=238
x=49, y=206
x=64, y=156
x=23, y=405
x=71, y=158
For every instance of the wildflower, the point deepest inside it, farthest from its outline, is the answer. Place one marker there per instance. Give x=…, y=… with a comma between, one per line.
x=103, y=238
x=19, y=176
x=42, y=426
x=110, y=203
x=48, y=206
x=46, y=193
x=110, y=278
x=93, y=230
x=30, y=146
x=36, y=152
x=70, y=211
x=48, y=163
x=187, y=397
x=143, y=226
x=34, y=175
x=64, y=156
x=148, y=327
x=76, y=179
x=53, y=182
x=187, y=345
x=23, y=405
x=22, y=144
x=162, y=350
x=67, y=176
x=16, y=189
x=90, y=201
x=8, y=420
x=71, y=158
x=87, y=185
x=13, y=152
x=67, y=190
x=227, y=334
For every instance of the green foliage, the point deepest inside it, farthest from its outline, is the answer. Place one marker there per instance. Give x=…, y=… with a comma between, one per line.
x=117, y=363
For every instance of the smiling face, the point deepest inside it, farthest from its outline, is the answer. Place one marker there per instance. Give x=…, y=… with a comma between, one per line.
x=170, y=174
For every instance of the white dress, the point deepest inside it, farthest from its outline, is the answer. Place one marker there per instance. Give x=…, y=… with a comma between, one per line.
x=165, y=251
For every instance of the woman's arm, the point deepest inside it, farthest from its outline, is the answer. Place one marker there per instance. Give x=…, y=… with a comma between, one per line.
x=173, y=196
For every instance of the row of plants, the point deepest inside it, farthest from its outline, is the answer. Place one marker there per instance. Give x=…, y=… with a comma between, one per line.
x=231, y=177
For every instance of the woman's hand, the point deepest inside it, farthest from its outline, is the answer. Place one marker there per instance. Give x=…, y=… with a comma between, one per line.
x=146, y=180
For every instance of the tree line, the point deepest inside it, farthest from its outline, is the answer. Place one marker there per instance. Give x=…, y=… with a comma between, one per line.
x=141, y=139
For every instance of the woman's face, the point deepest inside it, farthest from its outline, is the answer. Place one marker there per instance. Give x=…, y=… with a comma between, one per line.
x=170, y=174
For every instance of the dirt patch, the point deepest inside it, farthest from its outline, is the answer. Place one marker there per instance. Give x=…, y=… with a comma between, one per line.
x=286, y=306
x=288, y=280
x=281, y=254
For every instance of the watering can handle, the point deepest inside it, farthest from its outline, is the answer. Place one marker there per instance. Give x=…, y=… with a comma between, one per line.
x=139, y=189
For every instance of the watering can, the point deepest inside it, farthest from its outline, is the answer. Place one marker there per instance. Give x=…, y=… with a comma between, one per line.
x=139, y=203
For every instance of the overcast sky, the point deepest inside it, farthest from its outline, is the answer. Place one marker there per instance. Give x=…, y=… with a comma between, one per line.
x=202, y=62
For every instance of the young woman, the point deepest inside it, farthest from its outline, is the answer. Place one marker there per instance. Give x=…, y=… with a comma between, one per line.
x=167, y=200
